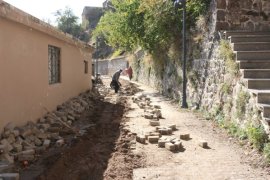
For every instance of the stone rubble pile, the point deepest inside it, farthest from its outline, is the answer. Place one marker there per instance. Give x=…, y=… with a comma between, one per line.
x=25, y=143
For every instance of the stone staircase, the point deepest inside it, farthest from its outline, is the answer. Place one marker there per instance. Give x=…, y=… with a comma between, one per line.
x=253, y=55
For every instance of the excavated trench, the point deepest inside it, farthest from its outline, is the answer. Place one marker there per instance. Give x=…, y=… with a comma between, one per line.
x=103, y=152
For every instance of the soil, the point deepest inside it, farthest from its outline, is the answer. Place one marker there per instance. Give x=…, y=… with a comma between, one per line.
x=108, y=149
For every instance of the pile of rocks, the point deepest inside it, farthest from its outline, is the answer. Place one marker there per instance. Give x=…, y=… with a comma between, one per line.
x=151, y=112
x=26, y=142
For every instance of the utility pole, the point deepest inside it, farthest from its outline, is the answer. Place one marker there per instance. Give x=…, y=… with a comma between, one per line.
x=182, y=4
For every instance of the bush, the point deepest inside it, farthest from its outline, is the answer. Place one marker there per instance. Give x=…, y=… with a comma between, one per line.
x=241, y=101
x=256, y=136
x=266, y=151
x=227, y=54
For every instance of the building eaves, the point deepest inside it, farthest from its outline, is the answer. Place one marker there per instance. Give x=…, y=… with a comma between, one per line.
x=14, y=14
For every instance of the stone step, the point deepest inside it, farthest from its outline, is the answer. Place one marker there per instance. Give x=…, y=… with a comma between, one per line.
x=256, y=73
x=239, y=33
x=251, y=46
x=253, y=55
x=250, y=64
x=260, y=84
x=250, y=38
x=266, y=110
x=263, y=96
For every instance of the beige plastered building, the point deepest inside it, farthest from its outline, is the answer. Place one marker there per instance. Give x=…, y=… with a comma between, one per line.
x=40, y=67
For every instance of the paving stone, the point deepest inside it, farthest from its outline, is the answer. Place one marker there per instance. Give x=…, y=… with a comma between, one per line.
x=28, y=152
x=172, y=126
x=203, y=144
x=46, y=143
x=178, y=145
x=16, y=132
x=148, y=116
x=60, y=142
x=153, y=139
x=42, y=136
x=11, y=138
x=6, y=134
x=10, y=176
x=7, y=145
x=154, y=123
x=185, y=136
x=155, y=134
x=165, y=131
x=170, y=146
x=8, y=158
x=37, y=142
x=17, y=147
x=161, y=143
x=140, y=139
x=158, y=114
x=72, y=118
x=54, y=136
x=26, y=132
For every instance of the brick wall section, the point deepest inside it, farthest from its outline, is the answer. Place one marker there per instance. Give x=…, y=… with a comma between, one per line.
x=250, y=15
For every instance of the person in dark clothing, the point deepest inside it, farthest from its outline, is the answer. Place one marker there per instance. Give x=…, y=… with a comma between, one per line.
x=115, y=84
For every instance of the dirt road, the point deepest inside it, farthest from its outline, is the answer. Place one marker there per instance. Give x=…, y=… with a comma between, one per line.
x=108, y=149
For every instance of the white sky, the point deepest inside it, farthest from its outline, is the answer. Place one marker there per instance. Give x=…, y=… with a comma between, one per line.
x=44, y=9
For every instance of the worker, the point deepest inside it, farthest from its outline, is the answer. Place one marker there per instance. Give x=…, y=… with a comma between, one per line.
x=129, y=72
x=115, y=84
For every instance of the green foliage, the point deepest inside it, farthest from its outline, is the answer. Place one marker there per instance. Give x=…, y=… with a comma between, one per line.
x=226, y=88
x=266, y=151
x=256, y=136
x=150, y=24
x=241, y=101
x=193, y=77
x=67, y=22
x=227, y=54
x=236, y=131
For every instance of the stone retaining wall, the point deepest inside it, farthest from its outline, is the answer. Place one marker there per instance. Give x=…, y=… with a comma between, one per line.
x=251, y=15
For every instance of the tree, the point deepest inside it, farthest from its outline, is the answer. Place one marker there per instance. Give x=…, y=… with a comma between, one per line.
x=150, y=24
x=68, y=23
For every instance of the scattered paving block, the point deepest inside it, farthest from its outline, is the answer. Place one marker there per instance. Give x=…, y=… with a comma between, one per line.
x=155, y=134
x=203, y=144
x=140, y=139
x=185, y=136
x=170, y=146
x=158, y=114
x=10, y=176
x=161, y=143
x=165, y=131
x=157, y=106
x=153, y=139
x=172, y=126
x=154, y=123
x=178, y=145
x=148, y=116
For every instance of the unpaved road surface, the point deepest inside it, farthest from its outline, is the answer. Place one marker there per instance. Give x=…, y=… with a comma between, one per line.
x=108, y=149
